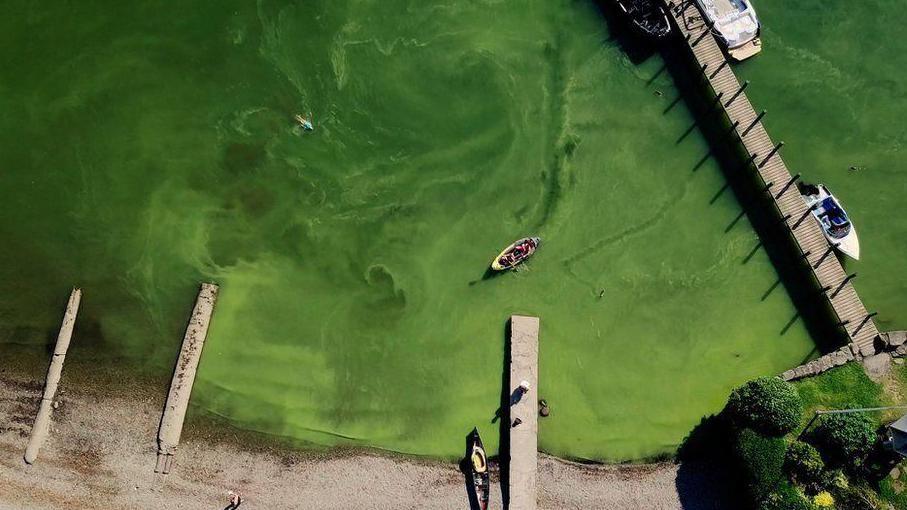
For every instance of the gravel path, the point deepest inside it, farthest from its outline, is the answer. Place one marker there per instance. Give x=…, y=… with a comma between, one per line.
x=101, y=452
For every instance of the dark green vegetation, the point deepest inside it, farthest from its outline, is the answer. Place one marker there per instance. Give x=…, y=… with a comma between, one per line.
x=760, y=458
x=768, y=405
x=844, y=439
x=839, y=454
x=804, y=464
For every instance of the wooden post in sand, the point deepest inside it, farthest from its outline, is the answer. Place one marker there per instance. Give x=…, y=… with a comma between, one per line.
x=41, y=427
x=168, y=436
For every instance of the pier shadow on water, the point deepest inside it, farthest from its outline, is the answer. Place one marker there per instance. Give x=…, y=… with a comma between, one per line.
x=743, y=180
x=504, y=422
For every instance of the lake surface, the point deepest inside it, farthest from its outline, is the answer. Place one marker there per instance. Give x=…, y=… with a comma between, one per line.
x=148, y=147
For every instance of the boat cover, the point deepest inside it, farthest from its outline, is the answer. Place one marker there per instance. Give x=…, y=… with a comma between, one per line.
x=735, y=20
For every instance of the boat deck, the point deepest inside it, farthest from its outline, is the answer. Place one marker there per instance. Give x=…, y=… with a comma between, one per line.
x=524, y=356
x=765, y=157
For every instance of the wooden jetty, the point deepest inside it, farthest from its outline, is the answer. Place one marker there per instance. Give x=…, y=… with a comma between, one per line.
x=174, y=415
x=764, y=156
x=524, y=356
x=41, y=428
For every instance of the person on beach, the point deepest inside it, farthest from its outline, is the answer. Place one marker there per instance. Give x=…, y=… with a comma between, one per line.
x=235, y=499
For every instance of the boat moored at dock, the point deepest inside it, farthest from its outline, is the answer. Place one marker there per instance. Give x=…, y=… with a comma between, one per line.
x=833, y=220
x=647, y=17
x=735, y=24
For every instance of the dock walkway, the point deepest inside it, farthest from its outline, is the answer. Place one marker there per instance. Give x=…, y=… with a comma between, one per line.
x=524, y=362
x=765, y=157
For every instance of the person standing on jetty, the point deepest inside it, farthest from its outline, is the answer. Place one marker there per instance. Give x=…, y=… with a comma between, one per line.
x=235, y=499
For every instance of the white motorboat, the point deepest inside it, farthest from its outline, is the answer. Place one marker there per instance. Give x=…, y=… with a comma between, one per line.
x=834, y=222
x=736, y=24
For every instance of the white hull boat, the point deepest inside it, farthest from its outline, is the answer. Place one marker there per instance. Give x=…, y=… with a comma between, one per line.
x=736, y=25
x=833, y=220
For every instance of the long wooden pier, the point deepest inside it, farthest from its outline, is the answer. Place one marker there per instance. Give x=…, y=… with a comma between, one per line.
x=764, y=155
x=524, y=361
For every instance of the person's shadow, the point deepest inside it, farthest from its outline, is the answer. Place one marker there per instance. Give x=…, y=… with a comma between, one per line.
x=515, y=398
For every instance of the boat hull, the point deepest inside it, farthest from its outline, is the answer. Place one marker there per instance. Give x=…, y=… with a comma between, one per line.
x=746, y=51
x=848, y=244
x=647, y=17
x=478, y=464
x=498, y=265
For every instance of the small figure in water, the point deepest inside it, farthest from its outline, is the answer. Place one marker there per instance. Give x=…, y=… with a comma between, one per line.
x=855, y=168
x=601, y=294
x=305, y=122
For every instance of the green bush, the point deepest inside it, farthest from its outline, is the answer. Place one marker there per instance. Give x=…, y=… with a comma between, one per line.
x=785, y=497
x=844, y=439
x=760, y=460
x=856, y=498
x=804, y=465
x=767, y=405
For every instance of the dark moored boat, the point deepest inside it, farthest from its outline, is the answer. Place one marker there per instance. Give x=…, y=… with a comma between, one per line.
x=478, y=468
x=647, y=16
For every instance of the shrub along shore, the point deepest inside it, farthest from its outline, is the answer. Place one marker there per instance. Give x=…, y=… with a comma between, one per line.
x=783, y=459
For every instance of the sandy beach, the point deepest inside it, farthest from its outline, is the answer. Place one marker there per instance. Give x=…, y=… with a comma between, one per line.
x=101, y=451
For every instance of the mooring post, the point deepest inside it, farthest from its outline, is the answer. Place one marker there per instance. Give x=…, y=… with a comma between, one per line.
x=788, y=185
x=830, y=249
x=825, y=289
x=41, y=427
x=171, y=427
x=703, y=67
x=734, y=126
x=806, y=213
x=785, y=218
x=743, y=86
x=717, y=100
x=768, y=186
x=720, y=67
x=772, y=153
x=751, y=159
x=843, y=323
x=689, y=34
x=806, y=255
x=753, y=124
x=842, y=284
x=863, y=323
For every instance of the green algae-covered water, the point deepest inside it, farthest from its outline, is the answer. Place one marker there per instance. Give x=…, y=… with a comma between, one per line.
x=148, y=147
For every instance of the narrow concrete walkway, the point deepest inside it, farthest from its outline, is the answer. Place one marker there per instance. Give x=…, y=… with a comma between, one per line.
x=41, y=428
x=171, y=428
x=524, y=361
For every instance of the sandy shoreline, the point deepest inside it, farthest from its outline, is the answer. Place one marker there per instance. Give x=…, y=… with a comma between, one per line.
x=101, y=452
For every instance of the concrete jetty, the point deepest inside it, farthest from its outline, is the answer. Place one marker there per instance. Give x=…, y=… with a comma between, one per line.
x=524, y=361
x=174, y=415
x=41, y=428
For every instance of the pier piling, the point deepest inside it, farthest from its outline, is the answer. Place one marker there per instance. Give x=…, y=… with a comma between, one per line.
x=41, y=427
x=174, y=414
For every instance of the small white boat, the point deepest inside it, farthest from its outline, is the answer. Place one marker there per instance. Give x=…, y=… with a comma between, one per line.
x=736, y=24
x=834, y=222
